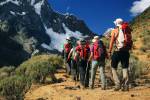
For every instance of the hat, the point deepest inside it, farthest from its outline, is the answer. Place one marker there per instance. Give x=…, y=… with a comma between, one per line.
x=96, y=37
x=68, y=38
x=118, y=22
x=94, y=40
x=82, y=41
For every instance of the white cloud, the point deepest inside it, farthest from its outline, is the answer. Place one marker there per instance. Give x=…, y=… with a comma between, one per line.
x=139, y=6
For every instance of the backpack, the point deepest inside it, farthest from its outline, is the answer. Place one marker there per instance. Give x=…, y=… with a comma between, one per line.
x=83, y=52
x=67, y=47
x=98, y=50
x=124, y=37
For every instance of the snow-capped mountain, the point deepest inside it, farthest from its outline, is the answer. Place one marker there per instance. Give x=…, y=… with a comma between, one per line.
x=28, y=24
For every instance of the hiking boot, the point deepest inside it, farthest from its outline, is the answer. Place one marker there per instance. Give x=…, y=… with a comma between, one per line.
x=117, y=88
x=103, y=88
x=125, y=88
x=91, y=87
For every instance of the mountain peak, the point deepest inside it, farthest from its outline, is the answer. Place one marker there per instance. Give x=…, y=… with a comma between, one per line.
x=26, y=20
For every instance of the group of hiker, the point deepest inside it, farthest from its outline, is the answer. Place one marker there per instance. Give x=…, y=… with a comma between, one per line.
x=83, y=58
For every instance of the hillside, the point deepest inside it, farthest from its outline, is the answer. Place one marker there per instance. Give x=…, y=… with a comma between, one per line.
x=141, y=35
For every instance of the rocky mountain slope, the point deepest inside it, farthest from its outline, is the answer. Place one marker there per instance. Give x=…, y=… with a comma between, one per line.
x=26, y=25
x=141, y=35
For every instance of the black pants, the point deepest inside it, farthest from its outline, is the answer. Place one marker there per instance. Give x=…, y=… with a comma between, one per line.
x=84, y=72
x=120, y=56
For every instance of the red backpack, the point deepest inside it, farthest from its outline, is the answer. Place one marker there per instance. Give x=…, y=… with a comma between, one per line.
x=98, y=50
x=127, y=36
x=68, y=47
x=83, y=52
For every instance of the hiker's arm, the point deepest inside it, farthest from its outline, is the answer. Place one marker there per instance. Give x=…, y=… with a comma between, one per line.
x=70, y=53
x=76, y=57
x=111, y=41
x=91, y=56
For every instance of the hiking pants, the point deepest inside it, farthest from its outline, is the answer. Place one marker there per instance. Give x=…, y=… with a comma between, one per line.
x=68, y=64
x=125, y=77
x=101, y=65
x=74, y=70
x=84, y=72
x=123, y=57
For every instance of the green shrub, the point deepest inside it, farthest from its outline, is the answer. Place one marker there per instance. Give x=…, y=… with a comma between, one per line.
x=39, y=67
x=136, y=68
x=14, y=87
x=6, y=71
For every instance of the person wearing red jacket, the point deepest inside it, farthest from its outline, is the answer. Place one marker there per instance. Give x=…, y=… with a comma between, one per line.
x=98, y=55
x=66, y=49
x=83, y=53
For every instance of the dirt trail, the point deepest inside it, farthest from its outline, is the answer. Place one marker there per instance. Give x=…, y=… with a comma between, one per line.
x=57, y=91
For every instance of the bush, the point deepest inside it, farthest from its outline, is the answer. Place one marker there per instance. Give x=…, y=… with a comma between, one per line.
x=6, y=71
x=14, y=87
x=136, y=69
x=39, y=67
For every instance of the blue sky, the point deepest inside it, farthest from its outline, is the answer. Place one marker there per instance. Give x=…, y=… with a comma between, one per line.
x=100, y=14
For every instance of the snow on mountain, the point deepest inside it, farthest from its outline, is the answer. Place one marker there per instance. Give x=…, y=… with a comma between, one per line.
x=32, y=2
x=37, y=6
x=25, y=20
x=57, y=40
x=12, y=1
x=107, y=33
x=13, y=13
x=17, y=13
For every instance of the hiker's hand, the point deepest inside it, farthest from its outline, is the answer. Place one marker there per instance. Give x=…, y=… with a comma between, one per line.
x=89, y=61
x=68, y=60
x=109, y=55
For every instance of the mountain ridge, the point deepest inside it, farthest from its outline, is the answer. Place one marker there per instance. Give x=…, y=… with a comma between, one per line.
x=33, y=24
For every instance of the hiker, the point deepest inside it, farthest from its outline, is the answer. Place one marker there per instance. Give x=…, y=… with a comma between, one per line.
x=122, y=38
x=98, y=54
x=66, y=49
x=74, y=63
x=83, y=52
